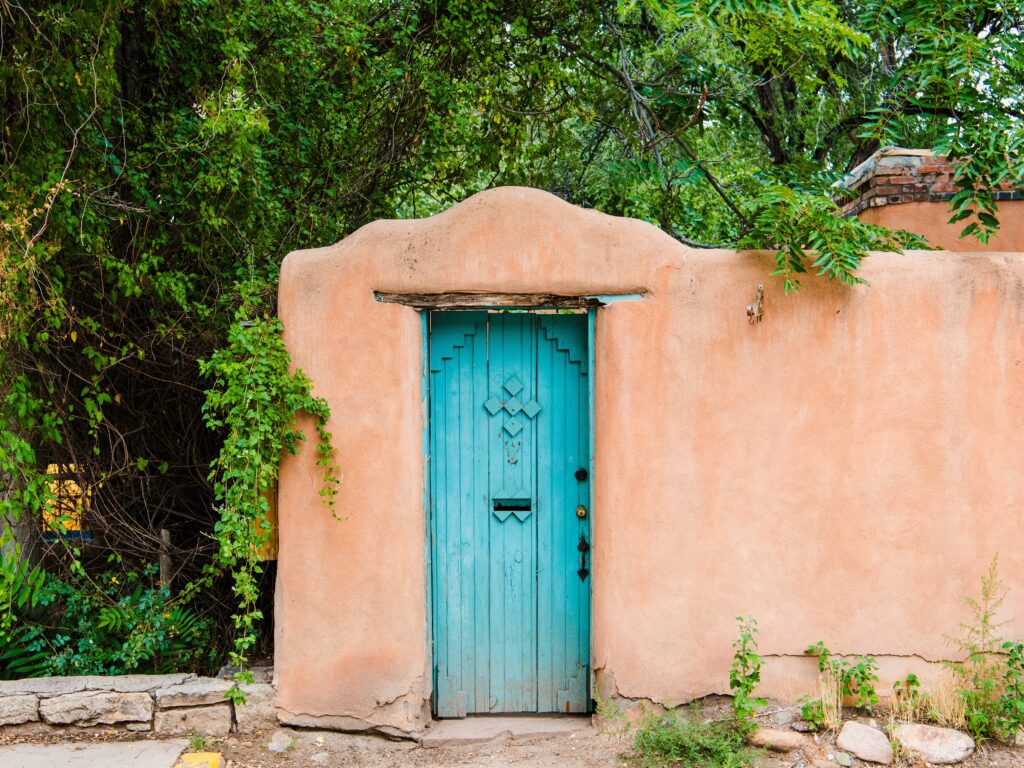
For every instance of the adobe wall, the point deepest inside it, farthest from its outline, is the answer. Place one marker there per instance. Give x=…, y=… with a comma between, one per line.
x=843, y=470
x=932, y=221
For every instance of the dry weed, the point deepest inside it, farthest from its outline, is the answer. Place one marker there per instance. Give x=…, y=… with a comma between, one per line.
x=946, y=704
x=830, y=693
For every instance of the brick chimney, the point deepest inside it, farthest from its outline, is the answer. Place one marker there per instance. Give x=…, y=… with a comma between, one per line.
x=910, y=189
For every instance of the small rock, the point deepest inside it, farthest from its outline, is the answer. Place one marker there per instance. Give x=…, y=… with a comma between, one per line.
x=785, y=717
x=802, y=726
x=939, y=746
x=260, y=673
x=777, y=740
x=865, y=742
x=281, y=741
x=228, y=672
x=844, y=759
x=138, y=727
x=1019, y=741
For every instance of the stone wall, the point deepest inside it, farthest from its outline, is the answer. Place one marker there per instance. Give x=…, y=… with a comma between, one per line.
x=178, y=704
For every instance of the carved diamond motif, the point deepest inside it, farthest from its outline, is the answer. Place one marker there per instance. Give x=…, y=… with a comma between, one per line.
x=512, y=405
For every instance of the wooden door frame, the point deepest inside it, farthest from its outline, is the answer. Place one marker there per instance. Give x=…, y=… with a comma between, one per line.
x=591, y=306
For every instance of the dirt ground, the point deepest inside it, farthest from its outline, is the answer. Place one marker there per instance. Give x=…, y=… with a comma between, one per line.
x=321, y=749
x=589, y=749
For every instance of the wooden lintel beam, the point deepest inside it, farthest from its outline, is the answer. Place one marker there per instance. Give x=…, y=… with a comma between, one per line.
x=465, y=299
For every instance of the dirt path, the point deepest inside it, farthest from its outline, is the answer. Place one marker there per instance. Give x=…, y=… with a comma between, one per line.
x=338, y=750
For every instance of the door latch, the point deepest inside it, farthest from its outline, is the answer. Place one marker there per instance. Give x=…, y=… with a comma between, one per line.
x=583, y=547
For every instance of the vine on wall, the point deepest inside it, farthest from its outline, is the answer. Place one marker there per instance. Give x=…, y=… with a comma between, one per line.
x=253, y=401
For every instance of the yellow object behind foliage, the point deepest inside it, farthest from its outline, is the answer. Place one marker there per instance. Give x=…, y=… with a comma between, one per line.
x=269, y=550
x=64, y=511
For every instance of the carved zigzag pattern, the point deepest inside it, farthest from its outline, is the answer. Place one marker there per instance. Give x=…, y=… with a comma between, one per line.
x=437, y=358
x=570, y=339
x=445, y=338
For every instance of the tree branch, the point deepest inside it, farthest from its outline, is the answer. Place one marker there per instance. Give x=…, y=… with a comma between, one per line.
x=642, y=105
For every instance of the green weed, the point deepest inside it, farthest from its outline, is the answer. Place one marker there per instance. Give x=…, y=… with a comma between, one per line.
x=196, y=742
x=671, y=739
x=745, y=674
x=856, y=677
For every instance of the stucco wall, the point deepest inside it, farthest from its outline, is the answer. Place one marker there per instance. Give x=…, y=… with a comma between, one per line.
x=844, y=470
x=931, y=220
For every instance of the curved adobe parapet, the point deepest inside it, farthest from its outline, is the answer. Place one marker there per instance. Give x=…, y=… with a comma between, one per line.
x=512, y=239
x=351, y=613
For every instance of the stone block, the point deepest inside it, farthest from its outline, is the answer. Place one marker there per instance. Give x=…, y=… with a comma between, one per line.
x=133, y=683
x=259, y=712
x=213, y=720
x=196, y=693
x=95, y=707
x=21, y=708
x=58, y=686
x=43, y=686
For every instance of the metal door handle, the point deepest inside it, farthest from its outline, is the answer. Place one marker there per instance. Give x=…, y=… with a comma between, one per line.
x=583, y=547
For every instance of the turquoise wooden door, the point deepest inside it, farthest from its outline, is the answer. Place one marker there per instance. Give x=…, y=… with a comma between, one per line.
x=510, y=526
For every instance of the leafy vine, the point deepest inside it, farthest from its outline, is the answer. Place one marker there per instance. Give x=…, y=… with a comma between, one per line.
x=254, y=399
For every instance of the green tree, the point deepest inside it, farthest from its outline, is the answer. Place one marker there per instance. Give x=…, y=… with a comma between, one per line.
x=158, y=159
